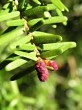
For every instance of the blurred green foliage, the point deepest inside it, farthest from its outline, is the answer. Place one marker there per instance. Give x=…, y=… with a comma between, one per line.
x=63, y=89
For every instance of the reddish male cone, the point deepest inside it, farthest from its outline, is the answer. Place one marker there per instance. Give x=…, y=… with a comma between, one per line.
x=52, y=64
x=42, y=71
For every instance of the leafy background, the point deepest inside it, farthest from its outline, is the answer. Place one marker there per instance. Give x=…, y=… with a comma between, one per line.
x=63, y=89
